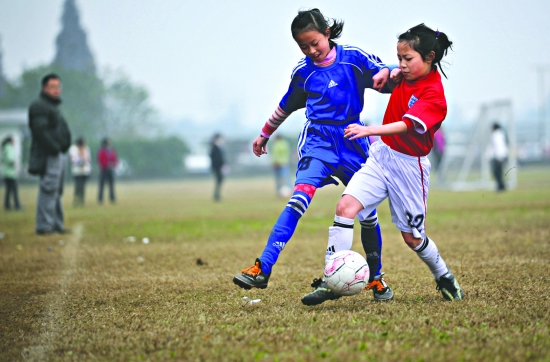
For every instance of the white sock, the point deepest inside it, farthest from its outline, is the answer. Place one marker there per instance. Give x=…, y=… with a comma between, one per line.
x=339, y=237
x=427, y=251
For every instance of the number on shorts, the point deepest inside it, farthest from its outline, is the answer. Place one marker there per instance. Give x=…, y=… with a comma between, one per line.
x=304, y=163
x=416, y=221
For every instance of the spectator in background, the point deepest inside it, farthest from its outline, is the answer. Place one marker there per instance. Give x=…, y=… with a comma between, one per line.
x=108, y=161
x=81, y=167
x=280, y=159
x=218, y=164
x=438, y=149
x=499, y=154
x=9, y=174
x=51, y=139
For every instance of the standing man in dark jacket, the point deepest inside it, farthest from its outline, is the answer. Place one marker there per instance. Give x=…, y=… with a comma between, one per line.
x=51, y=139
x=217, y=160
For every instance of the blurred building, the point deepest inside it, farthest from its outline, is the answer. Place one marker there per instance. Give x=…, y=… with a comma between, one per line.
x=72, y=51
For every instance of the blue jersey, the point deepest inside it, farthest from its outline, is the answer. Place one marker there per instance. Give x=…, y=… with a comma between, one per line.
x=334, y=94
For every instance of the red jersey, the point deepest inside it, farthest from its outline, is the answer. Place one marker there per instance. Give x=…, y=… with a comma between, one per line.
x=107, y=158
x=422, y=106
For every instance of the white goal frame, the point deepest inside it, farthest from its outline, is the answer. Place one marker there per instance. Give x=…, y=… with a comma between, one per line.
x=466, y=163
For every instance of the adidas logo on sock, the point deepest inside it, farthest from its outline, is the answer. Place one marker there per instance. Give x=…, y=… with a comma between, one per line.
x=332, y=84
x=279, y=245
x=331, y=250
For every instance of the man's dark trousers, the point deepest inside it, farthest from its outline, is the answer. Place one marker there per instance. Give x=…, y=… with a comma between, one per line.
x=107, y=175
x=49, y=209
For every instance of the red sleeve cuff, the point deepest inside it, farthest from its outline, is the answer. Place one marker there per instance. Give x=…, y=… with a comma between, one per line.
x=267, y=130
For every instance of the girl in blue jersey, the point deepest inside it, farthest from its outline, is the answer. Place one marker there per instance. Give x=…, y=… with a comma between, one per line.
x=330, y=83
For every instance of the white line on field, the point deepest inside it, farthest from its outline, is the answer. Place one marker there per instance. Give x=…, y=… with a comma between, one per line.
x=51, y=322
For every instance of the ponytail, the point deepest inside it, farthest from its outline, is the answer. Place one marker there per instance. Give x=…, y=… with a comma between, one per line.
x=424, y=40
x=313, y=19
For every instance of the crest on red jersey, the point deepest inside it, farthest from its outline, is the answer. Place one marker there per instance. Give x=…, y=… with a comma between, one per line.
x=412, y=101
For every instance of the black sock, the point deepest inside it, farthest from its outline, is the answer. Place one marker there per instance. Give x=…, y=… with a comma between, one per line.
x=371, y=238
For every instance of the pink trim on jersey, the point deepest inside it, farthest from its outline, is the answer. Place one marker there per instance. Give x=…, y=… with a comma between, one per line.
x=331, y=57
x=306, y=189
x=276, y=119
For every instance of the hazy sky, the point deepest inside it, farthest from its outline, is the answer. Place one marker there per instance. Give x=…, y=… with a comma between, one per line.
x=208, y=59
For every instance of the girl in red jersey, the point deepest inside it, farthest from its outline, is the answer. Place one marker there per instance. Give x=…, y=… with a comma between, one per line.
x=398, y=166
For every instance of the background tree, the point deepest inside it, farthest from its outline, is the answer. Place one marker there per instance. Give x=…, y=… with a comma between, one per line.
x=82, y=94
x=3, y=82
x=128, y=112
x=151, y=158
x=97, y=106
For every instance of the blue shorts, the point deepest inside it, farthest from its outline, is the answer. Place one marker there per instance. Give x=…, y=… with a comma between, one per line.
x=324, y=153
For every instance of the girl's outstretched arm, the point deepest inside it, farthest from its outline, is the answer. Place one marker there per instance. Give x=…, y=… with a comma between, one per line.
x=380, y=79
x=355, y=130
x=396, y=75
x=259, y=146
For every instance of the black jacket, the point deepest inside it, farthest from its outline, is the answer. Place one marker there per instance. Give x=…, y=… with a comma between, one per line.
x=216, y=157
x=50, y=133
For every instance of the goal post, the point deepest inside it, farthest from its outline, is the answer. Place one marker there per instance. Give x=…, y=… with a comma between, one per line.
x=466, y=163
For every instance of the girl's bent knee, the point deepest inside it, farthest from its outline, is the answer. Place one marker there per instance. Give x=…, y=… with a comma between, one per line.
x=410, y=240
x=348, y=207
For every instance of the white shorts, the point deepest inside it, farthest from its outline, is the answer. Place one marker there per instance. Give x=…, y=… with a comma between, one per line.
x=404, y=179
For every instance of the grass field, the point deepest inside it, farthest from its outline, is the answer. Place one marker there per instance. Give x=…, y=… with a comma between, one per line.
x=92, y=295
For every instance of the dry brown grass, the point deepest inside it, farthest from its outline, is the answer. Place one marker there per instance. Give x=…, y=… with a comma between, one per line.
x=92, y=299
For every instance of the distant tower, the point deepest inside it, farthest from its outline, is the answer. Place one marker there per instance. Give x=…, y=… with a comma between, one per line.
x=72, y=47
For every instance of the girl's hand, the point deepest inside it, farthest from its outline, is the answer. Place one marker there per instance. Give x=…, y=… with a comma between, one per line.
x=354, y=131
x=259, y=146
x=396, y=75
x=380, y=79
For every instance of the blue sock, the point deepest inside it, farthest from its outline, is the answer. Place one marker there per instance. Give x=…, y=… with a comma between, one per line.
x=371, y=238
x=283, y=229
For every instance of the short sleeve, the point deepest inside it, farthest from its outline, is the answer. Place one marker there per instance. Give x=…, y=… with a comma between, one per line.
x=427, y=111
x=369, y=64
x=296, y=97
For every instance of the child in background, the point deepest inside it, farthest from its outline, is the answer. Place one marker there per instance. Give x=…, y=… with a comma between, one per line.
x=398, y=166
x=81, y=168
x=330, y=83
x=108, y=161
x=280, y=160
x=9, y=174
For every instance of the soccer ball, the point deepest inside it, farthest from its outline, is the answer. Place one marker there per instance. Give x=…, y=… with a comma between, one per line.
x=285, y=191
x=346, y=273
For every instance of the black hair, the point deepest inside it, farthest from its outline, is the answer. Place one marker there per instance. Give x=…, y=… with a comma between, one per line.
x=47, y=77
x=215, y=137
x=313, y=19
x=105, y=142
x=424, y=40
x=80, y=141
x=496, y=125
x=6, y=140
